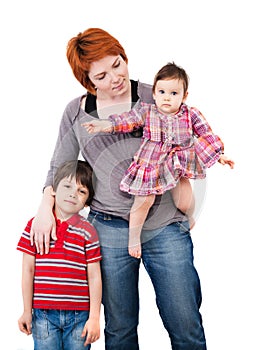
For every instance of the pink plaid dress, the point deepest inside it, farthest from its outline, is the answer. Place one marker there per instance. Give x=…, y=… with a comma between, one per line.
x=173, y=146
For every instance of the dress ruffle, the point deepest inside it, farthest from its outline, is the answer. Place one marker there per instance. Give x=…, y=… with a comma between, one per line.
x=158, y=167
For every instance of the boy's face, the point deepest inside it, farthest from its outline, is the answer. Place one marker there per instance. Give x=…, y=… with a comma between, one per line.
x=168, y=95
x=70, y=198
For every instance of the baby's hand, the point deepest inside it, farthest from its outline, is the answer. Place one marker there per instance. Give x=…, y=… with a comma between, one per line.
x=98, y=126
x=225, y=160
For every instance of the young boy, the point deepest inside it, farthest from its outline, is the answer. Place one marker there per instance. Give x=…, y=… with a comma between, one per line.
x=62, y=290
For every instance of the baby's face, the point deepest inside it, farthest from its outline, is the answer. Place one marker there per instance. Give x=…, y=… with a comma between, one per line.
x=168, y=95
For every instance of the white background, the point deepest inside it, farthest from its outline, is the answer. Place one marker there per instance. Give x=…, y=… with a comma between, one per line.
x=218, y=43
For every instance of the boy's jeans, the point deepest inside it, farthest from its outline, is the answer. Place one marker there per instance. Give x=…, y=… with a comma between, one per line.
x=59, y=329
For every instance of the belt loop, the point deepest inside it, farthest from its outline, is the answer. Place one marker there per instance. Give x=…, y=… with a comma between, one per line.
x=107, y=217
x=104, y=216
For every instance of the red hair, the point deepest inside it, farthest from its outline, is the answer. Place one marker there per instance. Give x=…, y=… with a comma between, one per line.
x=90, y=46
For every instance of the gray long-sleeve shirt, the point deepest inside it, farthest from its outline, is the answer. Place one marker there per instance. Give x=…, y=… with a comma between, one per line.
x=109, y=155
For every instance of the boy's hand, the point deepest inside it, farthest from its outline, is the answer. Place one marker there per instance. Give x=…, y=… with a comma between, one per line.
x=25, y=323
x=91, y=331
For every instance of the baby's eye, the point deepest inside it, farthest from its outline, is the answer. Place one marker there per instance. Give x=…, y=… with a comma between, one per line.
x=161, y=92
x=174, y=93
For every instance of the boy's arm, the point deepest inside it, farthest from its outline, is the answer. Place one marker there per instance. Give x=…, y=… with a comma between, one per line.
x=92, y=326
x=25, y=320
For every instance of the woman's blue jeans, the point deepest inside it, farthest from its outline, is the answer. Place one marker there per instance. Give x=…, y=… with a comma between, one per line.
x=59, y=329
x=167, y=255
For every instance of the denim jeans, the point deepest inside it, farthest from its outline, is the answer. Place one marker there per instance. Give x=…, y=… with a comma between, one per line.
x=167, y=255
x=59, y=329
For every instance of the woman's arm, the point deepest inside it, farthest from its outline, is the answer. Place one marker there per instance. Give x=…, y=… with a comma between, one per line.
x=43, y=225
x=25, y=320
x=66, y=148
x=92, y=326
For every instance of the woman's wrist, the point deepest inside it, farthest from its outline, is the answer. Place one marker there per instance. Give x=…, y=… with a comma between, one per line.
x=48, y=199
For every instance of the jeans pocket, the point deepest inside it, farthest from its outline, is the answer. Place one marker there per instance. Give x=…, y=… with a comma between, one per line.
x=184, y=227
x=79, y=322
x=39, y=324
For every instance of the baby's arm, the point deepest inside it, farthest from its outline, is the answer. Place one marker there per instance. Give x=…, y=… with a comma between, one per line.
x=208, y=146
x=225, y=160
x=122, y=123
x=98, y=126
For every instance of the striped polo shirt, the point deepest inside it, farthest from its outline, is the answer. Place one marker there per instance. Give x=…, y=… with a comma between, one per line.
x=60, y=279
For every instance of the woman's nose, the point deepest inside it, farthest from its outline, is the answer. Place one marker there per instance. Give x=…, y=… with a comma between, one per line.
x=114, y=77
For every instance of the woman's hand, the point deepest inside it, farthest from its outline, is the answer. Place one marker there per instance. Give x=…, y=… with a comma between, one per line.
x=98, y=126
x=43, y=225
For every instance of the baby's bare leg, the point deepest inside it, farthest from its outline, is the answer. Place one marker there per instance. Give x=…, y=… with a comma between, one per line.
x=184, y=199
x=138, y=214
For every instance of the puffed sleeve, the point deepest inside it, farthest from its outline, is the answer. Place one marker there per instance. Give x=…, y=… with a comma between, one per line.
x=208, y=145
x=129, y=121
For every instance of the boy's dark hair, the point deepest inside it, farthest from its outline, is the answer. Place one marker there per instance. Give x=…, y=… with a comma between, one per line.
x=172, y=71
x=82, y=171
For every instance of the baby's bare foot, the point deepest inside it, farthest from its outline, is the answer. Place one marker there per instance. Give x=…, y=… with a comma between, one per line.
x=135, y=251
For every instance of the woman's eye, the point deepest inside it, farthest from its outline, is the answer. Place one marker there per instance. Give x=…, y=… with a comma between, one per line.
x=101, y=77
x=117, y=64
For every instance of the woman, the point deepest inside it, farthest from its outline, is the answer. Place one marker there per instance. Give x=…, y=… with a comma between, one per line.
x=99, y=63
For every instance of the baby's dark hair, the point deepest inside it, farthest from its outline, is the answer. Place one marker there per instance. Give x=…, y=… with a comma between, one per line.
x=81, y=170
x=171, y=71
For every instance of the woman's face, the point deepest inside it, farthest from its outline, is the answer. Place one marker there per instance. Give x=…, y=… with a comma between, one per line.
x=110, y=76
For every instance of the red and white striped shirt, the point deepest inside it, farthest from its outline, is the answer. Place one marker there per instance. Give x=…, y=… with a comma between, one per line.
x=60, y=279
